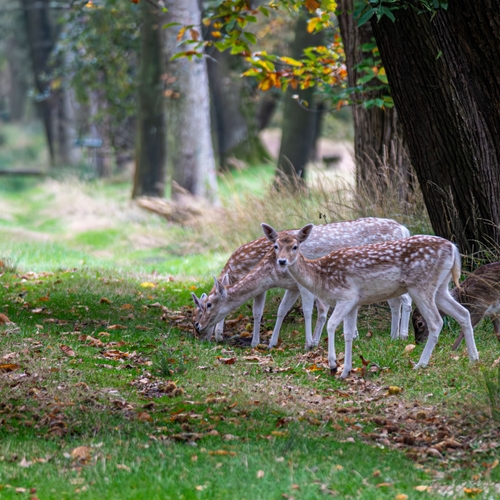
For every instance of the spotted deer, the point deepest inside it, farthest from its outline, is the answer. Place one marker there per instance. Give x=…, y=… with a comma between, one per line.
x=228, y=294
x=421, y=266
x=479, y=294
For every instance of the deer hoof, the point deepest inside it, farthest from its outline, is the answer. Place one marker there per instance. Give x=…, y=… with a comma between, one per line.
x=333, y=371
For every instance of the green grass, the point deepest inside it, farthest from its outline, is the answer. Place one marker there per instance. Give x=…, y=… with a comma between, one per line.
x=109, y=394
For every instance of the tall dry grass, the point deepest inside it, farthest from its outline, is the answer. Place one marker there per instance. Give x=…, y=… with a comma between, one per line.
x=287, y=205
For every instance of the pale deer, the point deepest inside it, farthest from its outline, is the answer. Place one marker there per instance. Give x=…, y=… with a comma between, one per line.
x=324, y=239
x=348, y=278
x=479, y=294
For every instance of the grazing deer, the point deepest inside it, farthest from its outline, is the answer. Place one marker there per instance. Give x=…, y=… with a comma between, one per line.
x=479, y=294
x=348, y=278
x=324, y=239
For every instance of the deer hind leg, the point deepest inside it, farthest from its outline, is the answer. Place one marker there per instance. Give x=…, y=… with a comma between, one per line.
x=395, y=305
x=322, y=309
x=286, y=304
x=434, y=322
x=405, y=316
x=259, y=302
x=342, y=309
x=496, y=326
x=451, y=307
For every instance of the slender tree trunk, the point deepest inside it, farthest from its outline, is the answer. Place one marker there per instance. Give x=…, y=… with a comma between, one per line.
x=149, y=179
x=297, y=139
x=379, y=147
x=19, y=83
x=446, y=88
x=189, y=110
x=41, y=42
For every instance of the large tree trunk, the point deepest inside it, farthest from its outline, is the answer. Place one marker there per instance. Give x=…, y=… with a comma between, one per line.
x=149, y=179
x=379, y=148
x=189, y=110
x=446, y=87
x=19, y=81
x=299, y=120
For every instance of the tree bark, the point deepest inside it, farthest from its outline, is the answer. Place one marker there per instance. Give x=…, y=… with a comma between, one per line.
x=379, y=147
x=40, y=37
x=297, y=139
x=149, y=178
x=188, y=109
x=446, y=86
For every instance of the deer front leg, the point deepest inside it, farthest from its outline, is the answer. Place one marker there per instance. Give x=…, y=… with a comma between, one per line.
x=286, y=304
x=219, y=328
x=322, y=309
x=307, y=308
x=259, y=302
x=349, y=334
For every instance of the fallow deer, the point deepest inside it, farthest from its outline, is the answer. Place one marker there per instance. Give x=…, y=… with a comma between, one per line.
x=421, y=266
x=324, y=239
x=479, y=294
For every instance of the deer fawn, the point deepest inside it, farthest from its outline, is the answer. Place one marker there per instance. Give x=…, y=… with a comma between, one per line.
x=348, y=278
x=479, y=294
x=323, y=240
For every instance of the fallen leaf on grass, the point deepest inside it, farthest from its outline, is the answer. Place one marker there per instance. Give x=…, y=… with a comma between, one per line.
x=116, y=354
x=105, y=300
x=226, y=361
x=66, y=349
x=8, y=367
x=260, y=474
x=409, y=348
x=123, y=467
x=144, y=416
x=222, y=452
x=4, y=319
x=81, y=453
x=423, y=487
x=148, y=284
x=401, y=496
x=383, y=485
x=470, y=492
x=116, y=327
x=394, y=389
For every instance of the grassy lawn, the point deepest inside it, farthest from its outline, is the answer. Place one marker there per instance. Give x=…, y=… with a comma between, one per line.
x=106, y=393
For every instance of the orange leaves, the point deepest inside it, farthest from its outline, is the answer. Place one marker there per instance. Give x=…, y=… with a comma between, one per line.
x=311, y=5
x=8, y=367
x=66, y=349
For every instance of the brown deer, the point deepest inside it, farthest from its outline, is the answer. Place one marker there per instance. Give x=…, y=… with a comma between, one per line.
x=421, y=266
x=324, y=239
x=479, y=294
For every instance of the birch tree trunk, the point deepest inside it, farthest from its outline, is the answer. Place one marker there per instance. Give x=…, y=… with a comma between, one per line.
x=188, y=110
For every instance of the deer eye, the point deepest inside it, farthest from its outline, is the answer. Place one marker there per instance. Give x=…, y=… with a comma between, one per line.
x=209, y=305
x=295, y=247
x=420, y=324
x=276, y=247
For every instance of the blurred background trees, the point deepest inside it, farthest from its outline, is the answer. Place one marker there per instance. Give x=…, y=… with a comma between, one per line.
x=153, y=90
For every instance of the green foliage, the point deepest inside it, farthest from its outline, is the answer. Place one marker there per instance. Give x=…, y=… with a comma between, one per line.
x=99, y=44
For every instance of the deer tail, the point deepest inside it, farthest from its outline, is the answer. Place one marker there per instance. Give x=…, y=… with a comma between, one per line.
x=457, y=266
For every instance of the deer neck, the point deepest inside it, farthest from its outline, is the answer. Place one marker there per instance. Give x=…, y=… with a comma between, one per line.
x=303, y=271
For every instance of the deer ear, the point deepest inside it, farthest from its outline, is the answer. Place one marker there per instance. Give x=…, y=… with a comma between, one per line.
x=220, y=288
x=225, y=279
x=269, y=232
x=196, y=300
x=304, y=233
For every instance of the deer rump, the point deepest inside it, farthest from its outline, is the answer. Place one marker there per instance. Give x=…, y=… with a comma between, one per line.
x=479, y=294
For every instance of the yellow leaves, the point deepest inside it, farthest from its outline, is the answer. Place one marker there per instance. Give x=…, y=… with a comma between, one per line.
x=394, y=389
x=312, y=23
x=401, y=496
x=271, y=80
x=148, y=284
x=222, y=452
x=291, y=61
